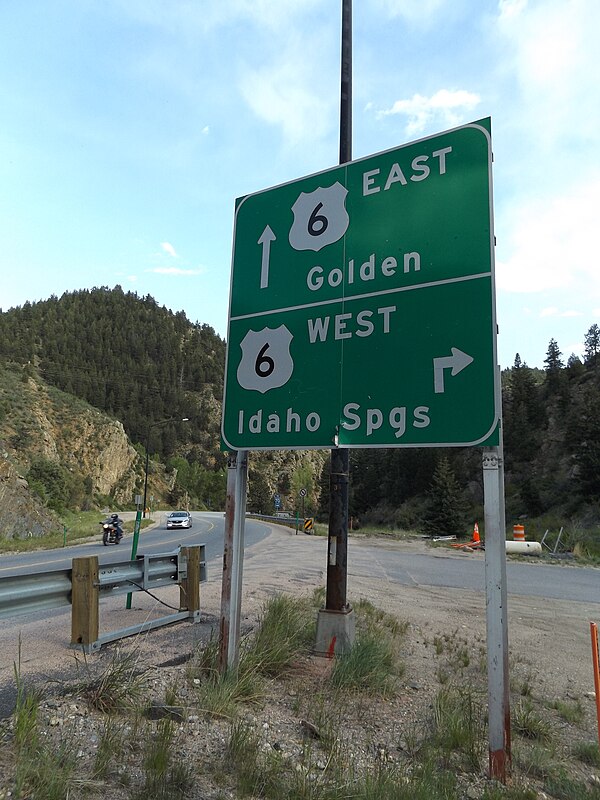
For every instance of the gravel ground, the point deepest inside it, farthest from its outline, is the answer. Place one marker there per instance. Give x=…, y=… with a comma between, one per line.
x=445, y=641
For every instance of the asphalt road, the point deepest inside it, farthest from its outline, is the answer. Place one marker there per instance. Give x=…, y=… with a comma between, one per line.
x=207, y=528
x=437, y=568
x=442, y=568
x=382, y=564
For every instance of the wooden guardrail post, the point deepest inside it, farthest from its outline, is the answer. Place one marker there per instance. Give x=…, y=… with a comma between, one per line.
x=189, y=590
x=85, y=589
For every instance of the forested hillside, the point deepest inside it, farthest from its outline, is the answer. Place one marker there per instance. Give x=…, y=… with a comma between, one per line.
x=149, y=369
x=145, y=365
x=123, y=354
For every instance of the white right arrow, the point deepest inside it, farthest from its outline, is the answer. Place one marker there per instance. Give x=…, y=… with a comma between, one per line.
x=457, y=362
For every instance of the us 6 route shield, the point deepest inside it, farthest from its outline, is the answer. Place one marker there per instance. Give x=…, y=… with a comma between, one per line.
x=362, y=304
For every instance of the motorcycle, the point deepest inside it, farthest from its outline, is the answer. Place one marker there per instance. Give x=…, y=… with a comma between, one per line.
x=111, y=534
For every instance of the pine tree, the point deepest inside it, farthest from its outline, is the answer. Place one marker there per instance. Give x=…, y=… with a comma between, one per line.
x=447, y=508
x=554, y=366
x=591, y=344
x=584, y=432
x=574, y=369
x=524, y=414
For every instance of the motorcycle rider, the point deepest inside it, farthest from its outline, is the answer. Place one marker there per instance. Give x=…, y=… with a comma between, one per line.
x=117, y=523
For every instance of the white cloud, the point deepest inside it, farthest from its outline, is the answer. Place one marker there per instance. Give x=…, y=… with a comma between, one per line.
x=553, y=311
x=286, y=95
x=509, y=9
x=446, y=106
x=168, y=248
x=413, y=10
x=268, y=13
x=551, y=48
x=206, y=130
x=175, y=271
x=552, y=242
x=202, y=16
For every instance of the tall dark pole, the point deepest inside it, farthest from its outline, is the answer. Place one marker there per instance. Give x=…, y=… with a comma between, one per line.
x=346, y=84
x=337, y=559
x=146, y=472
x=154, y=425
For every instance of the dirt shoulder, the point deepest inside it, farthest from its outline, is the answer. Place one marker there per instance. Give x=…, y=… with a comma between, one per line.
x=445, y=644
x=550, y=635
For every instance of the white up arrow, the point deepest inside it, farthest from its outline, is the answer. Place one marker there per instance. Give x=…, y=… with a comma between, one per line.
x=266, y=237
x=456, y=362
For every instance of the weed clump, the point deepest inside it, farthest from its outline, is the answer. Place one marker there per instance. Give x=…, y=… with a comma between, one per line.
x=369, y=666
x=285, y=633
x=528, y=722
x=42, y=770
x=117, y=687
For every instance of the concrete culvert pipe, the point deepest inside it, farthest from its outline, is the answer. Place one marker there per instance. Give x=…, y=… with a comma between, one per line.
x=524, y=548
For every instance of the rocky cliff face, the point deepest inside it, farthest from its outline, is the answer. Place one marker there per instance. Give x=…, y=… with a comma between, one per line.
x=21, y=513
x=98, y=447
x=40, y=422
x=82, y=439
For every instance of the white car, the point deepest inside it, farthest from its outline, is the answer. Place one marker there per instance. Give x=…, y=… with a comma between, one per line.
x=179, y=519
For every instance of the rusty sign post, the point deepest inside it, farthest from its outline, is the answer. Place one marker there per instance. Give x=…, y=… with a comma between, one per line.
x=335, y=624
x=233, y=560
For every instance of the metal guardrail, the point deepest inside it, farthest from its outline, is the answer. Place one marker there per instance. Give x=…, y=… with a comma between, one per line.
x=44, y=591
x=28, y=594
x=146, y=572
x=300, y=524
x=288, y=522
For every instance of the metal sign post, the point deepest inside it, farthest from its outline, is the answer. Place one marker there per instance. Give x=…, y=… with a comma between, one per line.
x=233, y=560
x=496, y=615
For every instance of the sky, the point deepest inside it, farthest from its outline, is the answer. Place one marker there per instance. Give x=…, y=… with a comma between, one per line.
x=129, y=127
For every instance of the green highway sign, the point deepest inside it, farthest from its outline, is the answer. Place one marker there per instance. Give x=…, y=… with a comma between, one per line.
x=362, y=306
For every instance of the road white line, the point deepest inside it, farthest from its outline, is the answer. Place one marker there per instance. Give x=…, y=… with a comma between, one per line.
x=46, y=562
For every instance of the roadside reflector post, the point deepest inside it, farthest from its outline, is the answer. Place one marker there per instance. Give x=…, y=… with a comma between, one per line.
x=496, y=615
x=85, y=591
x=596, y=665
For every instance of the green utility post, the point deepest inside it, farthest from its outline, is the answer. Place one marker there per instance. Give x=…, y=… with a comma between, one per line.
x=136, y=536
x=64, y=535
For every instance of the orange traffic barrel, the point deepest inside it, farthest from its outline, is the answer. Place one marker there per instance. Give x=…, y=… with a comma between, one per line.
x=518, y=533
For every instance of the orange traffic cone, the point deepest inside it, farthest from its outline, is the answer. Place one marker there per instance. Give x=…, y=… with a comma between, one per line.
x=476, y=539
